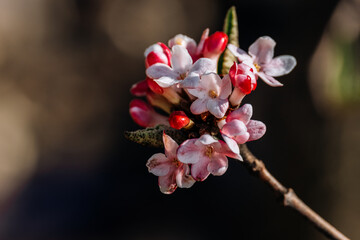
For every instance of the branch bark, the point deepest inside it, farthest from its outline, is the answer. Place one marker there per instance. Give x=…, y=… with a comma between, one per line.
x=290, y=199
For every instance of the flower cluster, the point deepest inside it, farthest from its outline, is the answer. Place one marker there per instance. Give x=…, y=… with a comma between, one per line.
x=182, y=81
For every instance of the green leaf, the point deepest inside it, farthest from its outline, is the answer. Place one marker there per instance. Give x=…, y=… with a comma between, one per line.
x=227, y=59
x=153, y=136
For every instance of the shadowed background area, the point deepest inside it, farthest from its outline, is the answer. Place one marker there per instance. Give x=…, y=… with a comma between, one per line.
x=67, y=172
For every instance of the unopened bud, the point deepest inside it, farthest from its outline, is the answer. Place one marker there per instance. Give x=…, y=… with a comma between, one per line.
x=154, y=86
x=179, y=120
x=242, y=76
x=215, y=44
x=139, y=89
x=144, y=115
x=157, y=53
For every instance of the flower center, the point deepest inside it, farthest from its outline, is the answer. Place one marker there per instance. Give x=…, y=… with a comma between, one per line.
x=212, y=94
x=257, y=67
x=176, y=162
x=209, y=151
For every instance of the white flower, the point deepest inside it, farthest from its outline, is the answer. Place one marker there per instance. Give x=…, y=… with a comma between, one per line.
x=260, y=58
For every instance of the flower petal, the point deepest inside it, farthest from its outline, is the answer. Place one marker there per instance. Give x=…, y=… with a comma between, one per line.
x=206, y=139
x=159, y=70
x=202, y=66
x=170, y=146
x=243, y=114
x=236, y=130
x=269, y=80
x=217, y=107
x=199, y=105
x=231, y=149
x=189, y=152
x=190, y=82
x=280, y=66
x=166, y=82
x=181, y=60
x=225, y=87
x=199, y=170
x=167, y=183
x=256, y=129
x=183, y=177
x=158, y=164
x=263, y=50
x=218, y=164
x=239, y=53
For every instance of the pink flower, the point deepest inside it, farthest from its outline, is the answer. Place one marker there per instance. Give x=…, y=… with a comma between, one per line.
x=207, y=155
x=239, y=129
x=144, y=115
x=171, y=172
x=212, y=93
x=181, y=66
x=260, y=58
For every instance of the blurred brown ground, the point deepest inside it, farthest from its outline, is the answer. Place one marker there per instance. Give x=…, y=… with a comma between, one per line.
x=66, y=172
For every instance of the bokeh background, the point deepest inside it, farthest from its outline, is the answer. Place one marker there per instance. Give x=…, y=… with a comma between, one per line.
x=66, y=171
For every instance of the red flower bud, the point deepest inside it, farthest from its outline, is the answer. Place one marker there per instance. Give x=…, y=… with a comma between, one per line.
x=144, y=115
x=157, y=53
x=139, y=89
x=242, y=76
x=215, y=44
x=154, y=86
x=178, y=120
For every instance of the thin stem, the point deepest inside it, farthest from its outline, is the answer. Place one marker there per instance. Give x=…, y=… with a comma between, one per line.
x=290, y=199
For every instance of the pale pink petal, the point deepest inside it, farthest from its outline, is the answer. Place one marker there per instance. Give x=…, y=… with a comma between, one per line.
x=263, y=50
x=218, y=164
x=211, y=82
x=167, y=183
x=243, y=114
x=191, y=82
x=199, y=170
x=279, y=66
x=232, y=144
x=166, y=82
x=217, y=107
x=159, y=70
x=189, y=152
x=206, y=139
x=269, y=80
x=202, y=66
x=225, y=149
x=181, y=61
x=226, y=87
x=199, y=105
x=183, y=177
x=236, y=130
x=256, y=129
x=170, y=146
x=158, y=164
x=239, y=53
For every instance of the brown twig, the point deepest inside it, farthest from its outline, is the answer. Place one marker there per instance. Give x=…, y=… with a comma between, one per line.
x=290, y=199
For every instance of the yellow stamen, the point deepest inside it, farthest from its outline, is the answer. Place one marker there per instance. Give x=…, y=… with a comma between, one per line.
x=209, y=151
x=212, y=94
x=257, y=67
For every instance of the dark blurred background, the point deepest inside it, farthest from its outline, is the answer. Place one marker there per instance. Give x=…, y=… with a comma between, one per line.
x=66, y=171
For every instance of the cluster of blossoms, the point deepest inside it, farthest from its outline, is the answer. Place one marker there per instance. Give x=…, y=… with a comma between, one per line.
x=182, y=81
